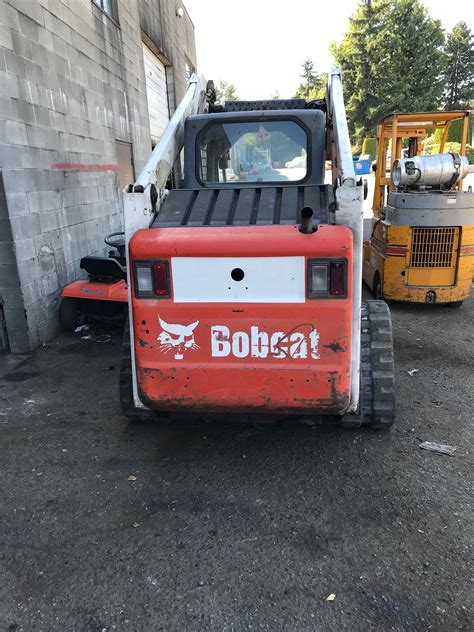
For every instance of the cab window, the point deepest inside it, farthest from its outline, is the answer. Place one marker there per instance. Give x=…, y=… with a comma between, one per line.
x=252, y=151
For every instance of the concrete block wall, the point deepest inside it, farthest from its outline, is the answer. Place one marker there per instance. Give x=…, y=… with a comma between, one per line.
x=71, y=84
x=11, y=303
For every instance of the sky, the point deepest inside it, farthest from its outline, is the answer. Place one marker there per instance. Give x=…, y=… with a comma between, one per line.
x=260, y=45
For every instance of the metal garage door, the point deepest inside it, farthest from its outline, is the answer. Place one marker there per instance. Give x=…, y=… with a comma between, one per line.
x=155, y=76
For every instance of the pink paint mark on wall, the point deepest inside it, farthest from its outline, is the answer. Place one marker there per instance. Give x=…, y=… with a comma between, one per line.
x=77, y=166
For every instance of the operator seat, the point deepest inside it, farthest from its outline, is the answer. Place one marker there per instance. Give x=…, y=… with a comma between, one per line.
x=103, y=269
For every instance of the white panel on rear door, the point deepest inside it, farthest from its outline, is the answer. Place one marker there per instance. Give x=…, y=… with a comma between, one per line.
x=213, y=279
x=156, y=92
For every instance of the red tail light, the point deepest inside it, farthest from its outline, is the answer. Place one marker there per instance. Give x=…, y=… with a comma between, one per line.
x=327, y=279
x=151, y=279
x=337, y=278
x=160, y=277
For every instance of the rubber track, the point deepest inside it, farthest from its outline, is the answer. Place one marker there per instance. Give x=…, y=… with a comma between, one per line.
x=377, y=392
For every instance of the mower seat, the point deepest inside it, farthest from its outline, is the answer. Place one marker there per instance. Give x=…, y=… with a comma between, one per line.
x=103, y=269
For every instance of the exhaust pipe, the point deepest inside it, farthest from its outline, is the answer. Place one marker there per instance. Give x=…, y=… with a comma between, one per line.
x=307, y=221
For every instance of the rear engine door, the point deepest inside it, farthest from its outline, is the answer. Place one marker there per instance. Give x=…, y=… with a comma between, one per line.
x=254, y=318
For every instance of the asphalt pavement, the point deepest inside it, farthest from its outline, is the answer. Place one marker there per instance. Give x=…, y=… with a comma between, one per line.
x=211, y=526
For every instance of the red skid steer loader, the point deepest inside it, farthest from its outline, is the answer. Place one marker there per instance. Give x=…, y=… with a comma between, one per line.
x=245, y=282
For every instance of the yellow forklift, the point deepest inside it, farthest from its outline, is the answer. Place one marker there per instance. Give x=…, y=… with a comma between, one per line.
x=420, y=248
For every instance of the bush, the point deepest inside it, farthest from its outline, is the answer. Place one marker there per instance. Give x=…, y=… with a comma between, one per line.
x=437, y=136
x=369, y=146
x=432, y=142
x=456, y=147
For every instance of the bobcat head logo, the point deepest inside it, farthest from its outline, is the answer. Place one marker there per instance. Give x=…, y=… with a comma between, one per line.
x=177, y=338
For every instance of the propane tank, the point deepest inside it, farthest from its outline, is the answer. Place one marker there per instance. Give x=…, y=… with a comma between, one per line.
x=435, y=170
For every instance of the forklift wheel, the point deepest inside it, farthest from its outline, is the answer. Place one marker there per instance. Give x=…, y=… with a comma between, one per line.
x=69, y=313
x=126, y=383
x=377, y=393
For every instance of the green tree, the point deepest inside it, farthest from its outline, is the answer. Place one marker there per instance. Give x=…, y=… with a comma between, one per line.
x=313, y=85
x=275, y=95
x=392, y=60
x=459, y=72
x=225, y=91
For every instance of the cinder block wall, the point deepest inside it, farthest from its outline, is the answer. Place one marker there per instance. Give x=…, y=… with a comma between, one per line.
x=71, y=84
x=11, y=300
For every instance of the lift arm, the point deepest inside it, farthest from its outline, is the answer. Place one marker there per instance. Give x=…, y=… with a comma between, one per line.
x=348, y=193
x=340, y=144
x=142, y=199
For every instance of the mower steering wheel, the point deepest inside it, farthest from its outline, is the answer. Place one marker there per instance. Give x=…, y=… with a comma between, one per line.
x=117, y=243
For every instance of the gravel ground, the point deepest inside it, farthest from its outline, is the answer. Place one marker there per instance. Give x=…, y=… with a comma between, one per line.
x=235, y=527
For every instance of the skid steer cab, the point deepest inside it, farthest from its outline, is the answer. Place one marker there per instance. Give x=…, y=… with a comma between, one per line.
x=245, y=288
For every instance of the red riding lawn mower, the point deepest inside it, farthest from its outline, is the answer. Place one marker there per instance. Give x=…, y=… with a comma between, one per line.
x=103, y=295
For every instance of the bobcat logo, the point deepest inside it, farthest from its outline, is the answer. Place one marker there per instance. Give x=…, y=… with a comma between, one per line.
x=177, y=338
